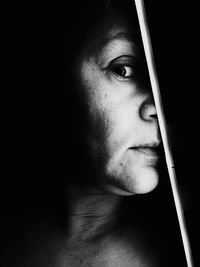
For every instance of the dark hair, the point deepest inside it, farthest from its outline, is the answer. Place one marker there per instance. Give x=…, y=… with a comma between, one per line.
x=82, y=17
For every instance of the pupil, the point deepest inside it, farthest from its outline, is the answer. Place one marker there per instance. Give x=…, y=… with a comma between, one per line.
x=120, y=71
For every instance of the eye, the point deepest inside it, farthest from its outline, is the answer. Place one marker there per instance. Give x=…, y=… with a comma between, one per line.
x=123, y=68
x=123, y=71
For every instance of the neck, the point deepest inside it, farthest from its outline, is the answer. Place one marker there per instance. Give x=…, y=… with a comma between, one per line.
x=92, y=213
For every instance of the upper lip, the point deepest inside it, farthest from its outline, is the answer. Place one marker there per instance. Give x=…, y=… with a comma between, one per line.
x=147, y=145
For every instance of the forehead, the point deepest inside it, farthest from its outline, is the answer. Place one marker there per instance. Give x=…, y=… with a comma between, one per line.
x=117, y=29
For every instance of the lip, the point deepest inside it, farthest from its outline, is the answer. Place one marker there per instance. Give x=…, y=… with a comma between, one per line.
x=148, y=150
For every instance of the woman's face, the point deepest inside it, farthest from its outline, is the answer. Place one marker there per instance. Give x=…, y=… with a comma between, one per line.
x=122, y=134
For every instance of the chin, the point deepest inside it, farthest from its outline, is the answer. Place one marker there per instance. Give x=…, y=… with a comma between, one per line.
x=145, y=180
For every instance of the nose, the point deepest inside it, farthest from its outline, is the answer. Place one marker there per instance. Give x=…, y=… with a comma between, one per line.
x=148, y=110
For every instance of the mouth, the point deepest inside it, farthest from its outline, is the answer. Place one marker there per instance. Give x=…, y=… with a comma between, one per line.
x=149, y=150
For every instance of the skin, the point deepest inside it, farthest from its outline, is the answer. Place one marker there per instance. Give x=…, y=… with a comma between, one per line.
x=121, y=134
x=121, y=112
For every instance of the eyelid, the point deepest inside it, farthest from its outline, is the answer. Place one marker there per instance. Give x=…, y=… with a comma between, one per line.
x=126, y=61
x=123, y=59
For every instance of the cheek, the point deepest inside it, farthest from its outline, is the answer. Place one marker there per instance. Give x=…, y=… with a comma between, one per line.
x=113, y=126
x=124, y=120
x=105, y=138
x=109, y=128
x=110, y=109
x=117, y=127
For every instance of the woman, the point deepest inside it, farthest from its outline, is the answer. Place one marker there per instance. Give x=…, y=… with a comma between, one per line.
x=119, y=133
x=111, y=148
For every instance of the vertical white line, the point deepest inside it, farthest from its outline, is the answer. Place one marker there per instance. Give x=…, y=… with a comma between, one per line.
x=162, y=124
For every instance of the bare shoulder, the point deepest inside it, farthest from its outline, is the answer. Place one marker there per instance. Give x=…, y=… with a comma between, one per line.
x=130, y=247
x=123, y=248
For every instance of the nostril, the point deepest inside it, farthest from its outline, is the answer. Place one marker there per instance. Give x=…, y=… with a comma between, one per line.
x=148, y=111
x=154, y=116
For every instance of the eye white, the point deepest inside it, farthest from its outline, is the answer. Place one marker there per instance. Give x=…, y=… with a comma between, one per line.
x=128, y=71
x=123, y=71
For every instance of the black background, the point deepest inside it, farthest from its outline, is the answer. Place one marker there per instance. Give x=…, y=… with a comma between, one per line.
x=174, y=34
x=33, y=118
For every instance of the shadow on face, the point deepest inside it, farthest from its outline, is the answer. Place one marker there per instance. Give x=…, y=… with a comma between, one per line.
x=112, y=124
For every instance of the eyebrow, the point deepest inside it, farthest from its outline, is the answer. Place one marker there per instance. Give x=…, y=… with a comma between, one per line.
x=122, y=36
x=99, y=44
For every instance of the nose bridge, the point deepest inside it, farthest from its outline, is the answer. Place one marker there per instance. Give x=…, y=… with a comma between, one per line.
x=147, y=109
